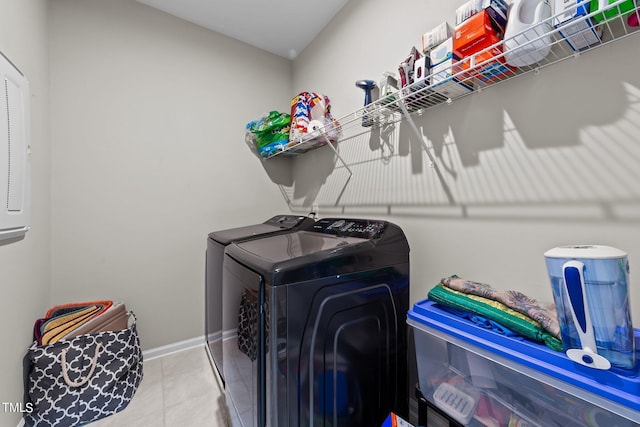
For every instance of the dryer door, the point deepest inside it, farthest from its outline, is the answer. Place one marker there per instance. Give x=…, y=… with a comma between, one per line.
x=345, y=350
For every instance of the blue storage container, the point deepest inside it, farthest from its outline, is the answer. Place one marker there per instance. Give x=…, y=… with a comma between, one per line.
x=481, y=377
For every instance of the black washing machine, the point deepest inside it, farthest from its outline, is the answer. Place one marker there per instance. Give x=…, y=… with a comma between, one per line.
x=216, y=244
x=321, y=338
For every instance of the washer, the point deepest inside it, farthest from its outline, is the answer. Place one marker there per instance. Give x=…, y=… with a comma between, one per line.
x=216, y=244
x=322, y=339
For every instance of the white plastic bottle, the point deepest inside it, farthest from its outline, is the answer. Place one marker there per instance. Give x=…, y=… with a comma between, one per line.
x=527, y=38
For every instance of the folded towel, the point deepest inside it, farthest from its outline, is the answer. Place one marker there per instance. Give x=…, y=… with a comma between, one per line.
x=496, y=311
x=482, y=321
x=61, y=320
x=545, y=315
x=54, y=329
x=114, y=319
x=66, y=308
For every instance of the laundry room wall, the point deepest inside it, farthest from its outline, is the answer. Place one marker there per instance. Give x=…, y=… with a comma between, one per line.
x=148, y=117
x=25, y=262
x=546, y=159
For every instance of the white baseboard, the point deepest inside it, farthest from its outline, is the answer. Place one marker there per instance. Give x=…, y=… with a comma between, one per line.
x=165, y=350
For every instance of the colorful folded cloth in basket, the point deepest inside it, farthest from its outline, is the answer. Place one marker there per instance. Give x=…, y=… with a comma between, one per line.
x=113, y=319
x=70, y=320
x=496, y=311
x=56, y=327
x=545, y=315
x=66, y=308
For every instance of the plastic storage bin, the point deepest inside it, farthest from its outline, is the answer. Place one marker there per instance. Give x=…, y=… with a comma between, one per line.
x=505, y=380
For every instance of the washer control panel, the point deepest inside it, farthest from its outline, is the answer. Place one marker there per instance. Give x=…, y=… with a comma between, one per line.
x=361, y=228
x=286, y=221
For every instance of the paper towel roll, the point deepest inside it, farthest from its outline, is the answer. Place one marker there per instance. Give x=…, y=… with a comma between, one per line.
x=315, y=125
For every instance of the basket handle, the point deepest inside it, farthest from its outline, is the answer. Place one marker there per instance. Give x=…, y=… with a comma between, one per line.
x=80, y=382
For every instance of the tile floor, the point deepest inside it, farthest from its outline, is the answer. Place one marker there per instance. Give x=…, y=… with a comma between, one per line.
x=177, y=390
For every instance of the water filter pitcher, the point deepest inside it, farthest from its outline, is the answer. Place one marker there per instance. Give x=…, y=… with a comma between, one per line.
x=591, y=293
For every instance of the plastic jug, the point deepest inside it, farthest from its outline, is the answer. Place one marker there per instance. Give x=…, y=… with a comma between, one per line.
x=591, y=294
x=527, y=39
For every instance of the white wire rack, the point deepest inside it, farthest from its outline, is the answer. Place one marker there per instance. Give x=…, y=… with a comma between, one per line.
x=418, y=97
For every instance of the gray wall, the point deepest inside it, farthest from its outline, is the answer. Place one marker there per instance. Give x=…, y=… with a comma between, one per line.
x=539, y=161
x=25, y=263
x=149, y=156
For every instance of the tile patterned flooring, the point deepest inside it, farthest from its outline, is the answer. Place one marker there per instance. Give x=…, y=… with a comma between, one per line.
x=177, y=390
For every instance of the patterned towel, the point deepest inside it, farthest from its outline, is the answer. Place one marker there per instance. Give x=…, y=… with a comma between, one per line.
x=545, y=315
x=496, y=311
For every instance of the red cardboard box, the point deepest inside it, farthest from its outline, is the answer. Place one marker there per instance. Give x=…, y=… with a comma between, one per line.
x=487, y=66
x=475, y=34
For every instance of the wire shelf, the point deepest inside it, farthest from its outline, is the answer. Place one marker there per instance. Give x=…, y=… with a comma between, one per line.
x=418, y=97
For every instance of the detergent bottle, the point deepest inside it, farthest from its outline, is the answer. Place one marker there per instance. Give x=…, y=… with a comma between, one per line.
x=527, y=38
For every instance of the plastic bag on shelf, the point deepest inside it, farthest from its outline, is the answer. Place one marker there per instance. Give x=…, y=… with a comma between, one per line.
x=311, y=112
x=268, y=134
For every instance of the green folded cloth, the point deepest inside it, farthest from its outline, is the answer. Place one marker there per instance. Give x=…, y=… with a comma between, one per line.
x=496, y=311
x=545, y=314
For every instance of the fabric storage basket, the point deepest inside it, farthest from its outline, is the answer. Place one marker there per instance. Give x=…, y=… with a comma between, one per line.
x=75, y=381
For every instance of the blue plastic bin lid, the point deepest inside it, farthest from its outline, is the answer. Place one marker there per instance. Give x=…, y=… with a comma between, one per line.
x=612, y=384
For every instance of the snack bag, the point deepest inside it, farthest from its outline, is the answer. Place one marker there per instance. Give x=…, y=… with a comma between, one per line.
x=268, y=134
x=311, y=112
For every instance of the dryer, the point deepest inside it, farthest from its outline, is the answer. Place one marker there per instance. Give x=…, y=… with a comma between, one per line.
x=322, y=337
x=217, y=241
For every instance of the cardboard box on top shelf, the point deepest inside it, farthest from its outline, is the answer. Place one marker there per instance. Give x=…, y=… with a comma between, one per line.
x=578, y=31
x=436, y=36
x=608, y=12
x=475, y=34
x=421, y=72
x=477, y=43
x=497, y=9
x=488, y=66
x=452, y=88
x=443, y=61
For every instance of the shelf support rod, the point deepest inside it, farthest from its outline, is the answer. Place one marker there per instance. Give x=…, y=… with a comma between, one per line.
x=344, y=164
x=432, y=159
x=338, y=155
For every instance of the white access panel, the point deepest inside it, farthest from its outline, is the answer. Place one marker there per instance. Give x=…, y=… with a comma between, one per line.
x=15, y=140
